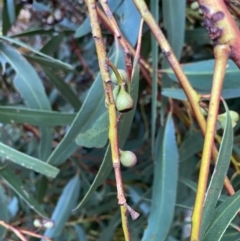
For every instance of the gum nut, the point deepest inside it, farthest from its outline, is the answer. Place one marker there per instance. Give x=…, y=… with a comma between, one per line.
x=128, y=158
x=124, y=101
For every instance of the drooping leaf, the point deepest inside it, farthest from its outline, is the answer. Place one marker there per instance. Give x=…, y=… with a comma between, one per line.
x=27, y=161
x=47, y=62
x=64, y=89
x=34, y=116
x=164, y=184
x=53, y=44
x=80, y=233
x=26, y=81
x=83, y=29
x=97, y=135
x=3, y=211
x=219, y=173
x=191, y=145
x=222, y=217
x=33, y=50
x=108, y=232
x=154, y=7
x=193, y=186
x=200, y=75
x=11, y=11
x=64, y=207
x=15, y=183
x=180, y=95
x=6, y=23
x=175, y=12
x=129, y=20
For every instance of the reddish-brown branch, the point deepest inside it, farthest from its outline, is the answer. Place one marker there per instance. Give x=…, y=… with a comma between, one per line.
x=118, y=34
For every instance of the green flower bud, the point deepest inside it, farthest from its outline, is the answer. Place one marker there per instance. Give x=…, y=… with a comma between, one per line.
x=124, y=101
x=128, y=158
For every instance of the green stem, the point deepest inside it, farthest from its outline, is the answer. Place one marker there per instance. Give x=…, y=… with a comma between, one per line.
x=221, y=55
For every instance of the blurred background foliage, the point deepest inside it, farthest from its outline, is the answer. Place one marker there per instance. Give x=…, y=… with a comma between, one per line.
x=54, y=124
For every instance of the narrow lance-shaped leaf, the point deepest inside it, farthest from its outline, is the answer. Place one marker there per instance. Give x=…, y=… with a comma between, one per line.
x=96, y=136
x=64, y=207
x=27, y=161
x=15, y=183
x=222, y=217
x=164, y=184
x=4, y=214
x=26, y=81
x=63, y=88
x=154, y=49
x=9, y=114
x=219, y=173
x=200, y=75
x=19, y=43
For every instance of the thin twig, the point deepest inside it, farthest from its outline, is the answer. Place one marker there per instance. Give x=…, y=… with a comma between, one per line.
x=14, y=230
x=118, y=34
x=105, y=21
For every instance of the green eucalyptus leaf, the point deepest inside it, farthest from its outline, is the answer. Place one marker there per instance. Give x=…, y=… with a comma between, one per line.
x=179, y=94
x=222, y=217
x=154, y=7
x=175, y=12
x=97, y=135
x=47, y=62
x=26, y=46
x=63, y=88
x=164, y=184
x=26, y=80
x=4, y=214
x=219, y=174
x=15, y=183
x=11, y=11
x=53, y=44
x=191, y=145
x=64, y=207
x=34, y=116
x=83, y=29
x=27, y=161
x=6, y=23
x=200, y=75
x=128, y=20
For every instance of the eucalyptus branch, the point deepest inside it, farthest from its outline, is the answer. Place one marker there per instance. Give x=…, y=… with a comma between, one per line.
x=221, y=53
x=113, y=121
x=119, y=35
x=103, y=65
x=142, y=61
